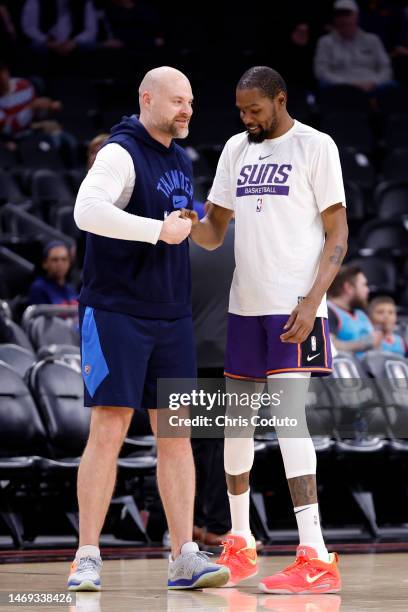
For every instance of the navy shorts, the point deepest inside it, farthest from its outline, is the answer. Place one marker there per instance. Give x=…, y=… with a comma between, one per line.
x=255, y=350
x=123, y=356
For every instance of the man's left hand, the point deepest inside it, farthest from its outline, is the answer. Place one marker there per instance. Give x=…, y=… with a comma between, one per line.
x=300, y=323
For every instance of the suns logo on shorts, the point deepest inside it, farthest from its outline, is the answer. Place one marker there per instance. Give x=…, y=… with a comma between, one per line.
x=87, y=369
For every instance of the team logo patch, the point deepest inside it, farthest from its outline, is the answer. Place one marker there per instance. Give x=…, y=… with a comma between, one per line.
x=87, y=369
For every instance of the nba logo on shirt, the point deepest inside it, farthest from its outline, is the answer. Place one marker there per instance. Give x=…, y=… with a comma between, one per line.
x=313, y=343
x=259, y=205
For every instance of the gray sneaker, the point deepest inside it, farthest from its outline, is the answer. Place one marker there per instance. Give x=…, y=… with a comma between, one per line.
x=193, y=570
x=85, y=574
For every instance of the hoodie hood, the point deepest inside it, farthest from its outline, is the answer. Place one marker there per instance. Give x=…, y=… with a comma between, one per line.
x=132, y=127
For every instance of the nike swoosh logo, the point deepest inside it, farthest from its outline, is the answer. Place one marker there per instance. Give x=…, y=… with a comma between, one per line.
x=309, y=358
x=252, y=561
x=311, y=580
x=264, y=157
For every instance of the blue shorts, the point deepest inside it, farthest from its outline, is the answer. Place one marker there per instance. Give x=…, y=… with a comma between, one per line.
x=255, y=350
x=123, y=356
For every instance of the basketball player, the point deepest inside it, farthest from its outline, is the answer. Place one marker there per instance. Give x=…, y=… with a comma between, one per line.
x=135, y=314
x=283, y=181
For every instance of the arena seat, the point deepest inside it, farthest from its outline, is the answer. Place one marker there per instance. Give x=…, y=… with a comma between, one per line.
x=44, y=325
x=38, y=151
x=357, y=167
x=349, y=129
x=382, y=235
x=381, y=273
x=22, y=440
x=391, y=199
x=391, y=377
x=359, y=431
x=58, y=391
x=395, y=165
x=19, y=358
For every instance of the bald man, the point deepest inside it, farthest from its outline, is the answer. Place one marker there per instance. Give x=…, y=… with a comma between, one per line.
x=135, y=318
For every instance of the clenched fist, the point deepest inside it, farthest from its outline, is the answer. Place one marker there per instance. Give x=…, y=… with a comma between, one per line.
x=189, y=214
x=175, y=229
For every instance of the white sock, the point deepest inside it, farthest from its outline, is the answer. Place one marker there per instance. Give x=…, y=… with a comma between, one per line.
x=310, y=533
x=239, y=506
x=87, y=551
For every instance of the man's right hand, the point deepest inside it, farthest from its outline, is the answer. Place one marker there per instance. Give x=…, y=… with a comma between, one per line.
x=175, y=229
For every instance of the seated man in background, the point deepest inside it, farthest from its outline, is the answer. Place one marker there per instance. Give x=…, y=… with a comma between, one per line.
x=382, y=311
x=52, y=288
x=350, y=328
x=349, y=55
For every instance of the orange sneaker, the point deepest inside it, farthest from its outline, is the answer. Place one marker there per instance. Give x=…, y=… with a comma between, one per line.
x=306, y=575
x=241, y=559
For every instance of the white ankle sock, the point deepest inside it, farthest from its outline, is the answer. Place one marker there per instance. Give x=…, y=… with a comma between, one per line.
x=310, y=533
x=87, y=551
x=239, y=506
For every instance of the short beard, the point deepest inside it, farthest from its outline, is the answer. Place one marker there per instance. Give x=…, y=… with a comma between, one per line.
x=170, y=127
x=358, y=303
x=178, y=132
x=257, y=138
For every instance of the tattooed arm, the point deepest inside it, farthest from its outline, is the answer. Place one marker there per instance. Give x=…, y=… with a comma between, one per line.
x=301, y=321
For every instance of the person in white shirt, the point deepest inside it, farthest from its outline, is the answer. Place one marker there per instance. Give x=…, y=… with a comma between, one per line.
x=59, y=25
x=283, y=181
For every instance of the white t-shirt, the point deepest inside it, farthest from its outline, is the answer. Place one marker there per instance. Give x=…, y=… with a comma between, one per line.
x=277, y=188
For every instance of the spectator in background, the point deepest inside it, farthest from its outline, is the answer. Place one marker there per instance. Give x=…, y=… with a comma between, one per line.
x=349, y=55
x=52, y=288
x=19, y=105
x=350, y=328
x=383, y=315
x=59, y=25
x=94, y=146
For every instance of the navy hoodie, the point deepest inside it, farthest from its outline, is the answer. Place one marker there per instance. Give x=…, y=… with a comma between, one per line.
x=139, y=278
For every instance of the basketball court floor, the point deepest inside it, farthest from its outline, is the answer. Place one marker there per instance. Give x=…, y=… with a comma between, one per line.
x=371, y=582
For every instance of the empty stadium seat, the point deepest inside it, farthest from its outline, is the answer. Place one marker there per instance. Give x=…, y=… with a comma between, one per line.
x=355, y=201
x=391, y=199
x=342, y=97
x=349, y=129
x=49, y=191
x=44, y=325
x=38, y=151
x=393, y=100
x=361, y=445
x=395, y=132
x=383, y=235
x=22, y=440
x=19, y=358
x=391, y=375
x=12, y=333
x=58, y=391
x=395, y=165
x=356, y=167
x=380, y=272
x=9, y=189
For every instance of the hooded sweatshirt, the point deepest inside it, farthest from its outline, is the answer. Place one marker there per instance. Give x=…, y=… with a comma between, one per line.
x=138, y=278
